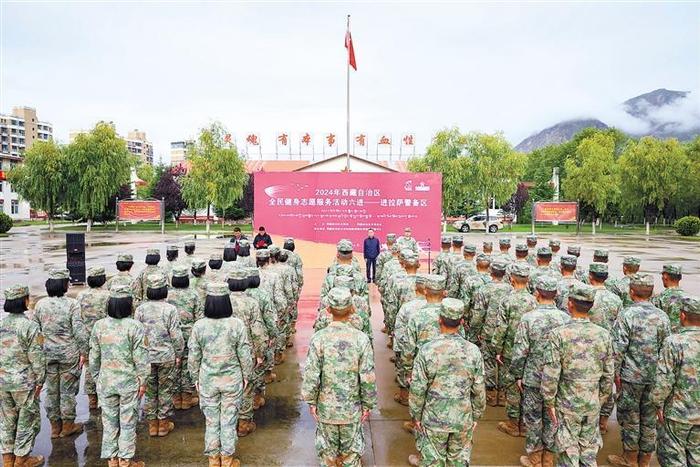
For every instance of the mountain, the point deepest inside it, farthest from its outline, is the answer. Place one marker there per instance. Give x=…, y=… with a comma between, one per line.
x=663, y=113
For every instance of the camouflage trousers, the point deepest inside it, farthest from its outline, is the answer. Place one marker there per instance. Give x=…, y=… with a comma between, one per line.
x=607, y=408
x=637, y=417
x=20, y=422
x=183, y=379
x=220, y=410
x=679, y=444
x=577, y=440
x=62, y=385
x=403, y=372
x=539, y=431
x=513, y=396
x=245, y=411
x=120, y=413
x=90, y=386
x=283, y=330
x=444, y=448
x=344, y=442
x=493, y=375
x=160, y=388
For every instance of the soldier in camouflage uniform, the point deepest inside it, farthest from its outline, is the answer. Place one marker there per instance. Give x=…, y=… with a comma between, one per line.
x=407, y=241
x=606, y=307
x=359, y=318
x=544, y=258
x=344, y=256
x=339, y=385
x=521, y=256
x=407, y=310
x=93, y=307
x=22, y=374
x=447, y=392
x=221, y=364
x=119, y=365
x=66, y=348
x=343, y=259
x=247, y=310
x=600, y=255
x=189, y=308
x=269, y=316
x=289, y=277
x=555, y=246
x=216, y=262
x=638, y=334
x=385, y=255
x=229, y=257
x=531, y=242
x=621, y=286
x=580, y=271
x=164, y=342
x=527, y=364
x=504, y=247
x=482, y=324
x=577, y=378
x=510, y=311
x=400, y=290
x=271, y=282
x=461, y=272
x=244, y=257
x=440, y=261
x=568, y=277
x=125, y=262
x=199, y=279
x=473, y=282
x=294, y=260
x=487, y=248
x=675, y=392
x=152, y=260
x=189, y=254
x=455, y=258
x=391, y=267
x=171, y=254
x=670, y=299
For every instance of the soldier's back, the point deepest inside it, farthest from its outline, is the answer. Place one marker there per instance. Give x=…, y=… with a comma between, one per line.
x=93, y=305
x=117, y=338
x=17, y=334
x=56, y=317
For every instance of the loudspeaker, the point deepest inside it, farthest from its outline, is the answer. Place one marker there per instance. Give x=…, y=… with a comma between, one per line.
x=75, y=257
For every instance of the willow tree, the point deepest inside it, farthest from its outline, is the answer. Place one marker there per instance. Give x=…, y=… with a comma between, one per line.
x=217, y=174
x=41, y=179
x=98, y=164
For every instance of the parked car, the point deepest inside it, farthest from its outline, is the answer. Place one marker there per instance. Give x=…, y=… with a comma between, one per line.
x=478, y=222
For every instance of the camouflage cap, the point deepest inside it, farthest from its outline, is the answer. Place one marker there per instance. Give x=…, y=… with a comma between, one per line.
x=274, y=250
x=520, y=268
x=554, y=242
x=172, y=248
x=339, y=298
x=420, y=279
x=344, y=246
x=632, y=261
x=152, y=251
x=344, y=270
x=217, y=289
x=547, y=283
x=59, y=273
x=405, y=253
x=452, y=308
x=216, y=257
x=469, y=248
x=120, y=291
x=531, y=238
x=568, y=260
x=125, y=258
x=600, y=253
x=691, y=305
x=95, y=271
x=344, y=281
x=390, y=237
x=445, y=240
x=238, y=274
x=283, y=254
x=598, y=268
x=198, y=263
x=573, y=250
x=412, y=261
x=457, y=240
x=642, y=280
x=483, y=258
x=16, y=291
x=504, y=241
x=521, y=247
x=262, y=253
x=189, y=243
x=156, y=281
x=180, y=270
x=544, y=251
x=487, y=245
x=252, y=272
x=583, y=292
x=435, y=282
x=498, y=265
x=673, y=269
x=395, y=248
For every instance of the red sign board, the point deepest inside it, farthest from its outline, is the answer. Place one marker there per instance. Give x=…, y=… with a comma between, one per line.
x=325, y=207
x=139, y=210
x=555, y=211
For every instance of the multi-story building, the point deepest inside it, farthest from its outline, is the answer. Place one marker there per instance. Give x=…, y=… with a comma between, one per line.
x=18, y=131
x=138, y=145
x=178, y=151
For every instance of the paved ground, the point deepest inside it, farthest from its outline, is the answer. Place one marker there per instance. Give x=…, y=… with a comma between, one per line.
x=285, y=429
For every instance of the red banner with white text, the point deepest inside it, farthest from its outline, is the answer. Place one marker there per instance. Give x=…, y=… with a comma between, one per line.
x=555, y=211
x=325, y=207
x=139, y=210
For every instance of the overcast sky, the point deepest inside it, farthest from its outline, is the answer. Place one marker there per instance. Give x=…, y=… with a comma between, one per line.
x=170, y=68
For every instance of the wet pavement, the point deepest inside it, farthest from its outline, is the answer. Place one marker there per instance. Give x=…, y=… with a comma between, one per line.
x=285, y=432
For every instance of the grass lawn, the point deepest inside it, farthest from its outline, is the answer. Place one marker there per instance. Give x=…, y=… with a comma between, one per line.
x=155, y=227
x=606, y=229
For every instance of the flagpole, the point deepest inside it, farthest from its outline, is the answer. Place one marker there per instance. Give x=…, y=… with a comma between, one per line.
x=347, y=129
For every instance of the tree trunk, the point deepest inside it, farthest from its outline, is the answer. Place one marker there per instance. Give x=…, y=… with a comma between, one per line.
x=50, y=218
x=208, y=222
x=593, y=226
x=88, y=228
x=487, y=215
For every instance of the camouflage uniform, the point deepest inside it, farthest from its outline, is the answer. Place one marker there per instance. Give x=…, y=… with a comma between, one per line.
x=119, y=365
x=404, y=315
x=190, y=308
x=22, y=370
x=576, y=380
x=288, y=280
x=339, y=381
x=565, y=282
x=385, y=255
x=165, y=344
x=359, y=318
x=409, y=243
x=440, y=261
x=93, y=307
x=510, y=311
x=460, y=274
x=272, y=283
x=199, y=283
x=671, y=298
x=216, y=275
x=526, y=364
x=447, y=394
x=295, y=261
x=269, y=316
x=140, y=282
x=124, y=277
x=221, y=362
x=675, y=391
x=468, y=291
x=621, y=286
x=65, y=341
x=638, y=334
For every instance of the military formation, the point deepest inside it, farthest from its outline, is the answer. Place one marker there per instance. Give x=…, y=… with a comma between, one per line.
x=178, y=334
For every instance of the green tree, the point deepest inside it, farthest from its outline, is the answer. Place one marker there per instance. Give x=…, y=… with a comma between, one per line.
x=652, y=173
x=217, y=174
x=592, y=173
x=98, y=164
x=41, y=179
x=146, y=173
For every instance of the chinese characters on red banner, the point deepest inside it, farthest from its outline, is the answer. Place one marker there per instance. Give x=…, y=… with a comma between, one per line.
x=282, y=139
x=252, y=139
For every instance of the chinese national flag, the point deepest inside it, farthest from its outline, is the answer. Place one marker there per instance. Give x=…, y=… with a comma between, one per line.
x=351, y=50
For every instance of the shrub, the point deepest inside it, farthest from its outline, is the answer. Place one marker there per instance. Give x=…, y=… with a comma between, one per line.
x=5, y=223
x=688, y=226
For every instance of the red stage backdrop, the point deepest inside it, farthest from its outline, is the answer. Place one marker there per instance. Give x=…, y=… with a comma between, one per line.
x=559, y=211
x=325, y=207
x=139, y=210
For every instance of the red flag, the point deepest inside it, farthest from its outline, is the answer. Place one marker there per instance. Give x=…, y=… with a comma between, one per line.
x=351, y=50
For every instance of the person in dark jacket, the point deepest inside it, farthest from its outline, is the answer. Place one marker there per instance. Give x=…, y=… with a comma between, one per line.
x=371, y=251
x=262, y=239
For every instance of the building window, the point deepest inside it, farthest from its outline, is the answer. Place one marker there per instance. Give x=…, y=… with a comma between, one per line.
x=14, y=206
